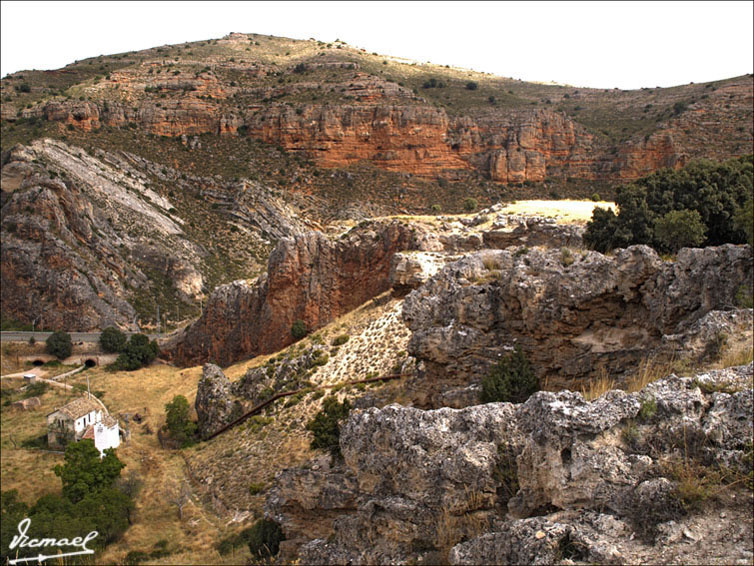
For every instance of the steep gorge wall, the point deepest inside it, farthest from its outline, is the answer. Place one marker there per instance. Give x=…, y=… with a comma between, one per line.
x=508, y=146
x=309, y=278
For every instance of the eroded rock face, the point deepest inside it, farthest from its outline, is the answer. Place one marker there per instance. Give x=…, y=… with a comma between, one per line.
x=214, y=403
x=586, y=477
x=536, y=232
x=410, y=137
x=309, y=278
x=570, y=318
x=86, y=236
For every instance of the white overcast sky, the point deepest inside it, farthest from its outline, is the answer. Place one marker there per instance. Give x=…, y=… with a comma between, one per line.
x=596, y=44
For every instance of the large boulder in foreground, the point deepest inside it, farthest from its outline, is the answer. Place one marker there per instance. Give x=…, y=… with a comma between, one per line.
x=554, y=478
x=573, y=314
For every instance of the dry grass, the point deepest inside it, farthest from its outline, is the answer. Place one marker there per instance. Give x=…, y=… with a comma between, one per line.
x=651, y=369
x=452, y=528
x=27, y=470
x=737, y=353
x=145, y=391
x=564, y=211
x=598, y=386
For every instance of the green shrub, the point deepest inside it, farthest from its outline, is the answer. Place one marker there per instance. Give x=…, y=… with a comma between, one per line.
x=59, y=344
x=256, y=487
x=340, y=340
x=84, y=472
x=648, y=409
x=264, y=538
x=178, y=422
x=470, y=204
x=320, y=358
x=112, y=340
x=139, y=352
x=596, y=197
x=744, y=220
x=679, y=229
x=325, y=426
x=298, y=330
x=471, y=85
x=510, y=380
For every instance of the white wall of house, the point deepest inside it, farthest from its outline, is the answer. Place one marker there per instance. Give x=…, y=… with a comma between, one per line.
x=106, y=437
x=86, y=420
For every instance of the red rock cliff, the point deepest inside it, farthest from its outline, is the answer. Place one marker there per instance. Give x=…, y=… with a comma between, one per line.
x=309, y=278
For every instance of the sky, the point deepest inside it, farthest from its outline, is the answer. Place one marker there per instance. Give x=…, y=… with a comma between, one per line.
x=624, y=45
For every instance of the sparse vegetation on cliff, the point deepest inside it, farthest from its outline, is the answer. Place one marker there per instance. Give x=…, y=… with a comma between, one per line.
x=510, y=380
x=325, y=426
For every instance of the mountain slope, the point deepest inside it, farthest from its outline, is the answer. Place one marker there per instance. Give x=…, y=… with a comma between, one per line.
x=163, y=173
x=339, y=106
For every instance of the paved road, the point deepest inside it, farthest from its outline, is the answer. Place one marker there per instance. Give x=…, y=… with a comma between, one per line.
x=19, y=336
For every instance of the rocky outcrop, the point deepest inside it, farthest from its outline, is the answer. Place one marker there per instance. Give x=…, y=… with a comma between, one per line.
x=336, y=107
x=554, y=478
x=511, y=147
x=309, y=278
x=89, y=236
x=409, y=270
x=570, y=315
x=535, y=231
x=214, y=404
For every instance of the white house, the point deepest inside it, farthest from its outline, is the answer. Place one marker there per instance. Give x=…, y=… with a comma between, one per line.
x=82, y=418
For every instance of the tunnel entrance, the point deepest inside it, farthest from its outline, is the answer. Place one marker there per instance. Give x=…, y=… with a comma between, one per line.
x=90, y=363
x=38, y=363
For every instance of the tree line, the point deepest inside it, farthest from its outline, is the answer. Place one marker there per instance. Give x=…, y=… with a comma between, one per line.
x=704, y=204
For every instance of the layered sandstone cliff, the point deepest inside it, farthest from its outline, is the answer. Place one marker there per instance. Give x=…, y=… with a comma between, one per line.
x=545, y=132
x=87, y=237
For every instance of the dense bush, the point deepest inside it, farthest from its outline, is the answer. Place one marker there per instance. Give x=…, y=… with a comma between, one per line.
x=744, y=220
x=178, y=422
x=325, y=426
x=298, y=330
x=470, y=204
x=264, y=538
x=679, y=229
x=84, y=472
x=340, y=340
x=112, y=340
x=472, y=85
x=510, y=380
x=718, y=192
x=59, y=344
x=139, y=352
x=433, y=83
x=89, y=502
